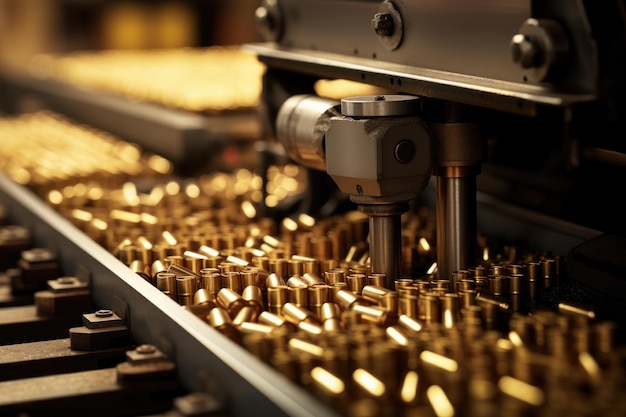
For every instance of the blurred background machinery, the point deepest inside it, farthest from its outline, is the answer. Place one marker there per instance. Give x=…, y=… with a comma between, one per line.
x=290, y=207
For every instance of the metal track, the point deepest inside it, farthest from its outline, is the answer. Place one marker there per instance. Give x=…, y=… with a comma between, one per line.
x=202, y=355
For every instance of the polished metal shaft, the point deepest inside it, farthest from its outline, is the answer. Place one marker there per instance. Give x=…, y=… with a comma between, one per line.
x=456, y=225
x=385, y=239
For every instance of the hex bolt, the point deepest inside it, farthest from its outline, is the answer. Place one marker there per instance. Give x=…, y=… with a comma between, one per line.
x=524, y=51
x=104, y=313
x=145, y=349
x=382, y=23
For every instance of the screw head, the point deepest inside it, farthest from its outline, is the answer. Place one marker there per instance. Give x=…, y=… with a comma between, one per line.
x=382, y=23
x=524, y=51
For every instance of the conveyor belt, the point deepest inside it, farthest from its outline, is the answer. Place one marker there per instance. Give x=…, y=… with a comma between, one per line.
x=203, y=357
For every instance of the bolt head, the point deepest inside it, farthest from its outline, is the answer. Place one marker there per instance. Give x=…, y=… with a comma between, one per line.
x=382, y=23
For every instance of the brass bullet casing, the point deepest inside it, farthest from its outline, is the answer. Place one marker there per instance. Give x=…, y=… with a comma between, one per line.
x=186, y=287
x=296, y=314
x=407, y=305
x=468, y=298
x=356, y=282
x=330, y=315
x=377, y=279
x=248, y=327
x=138, y=267
x=277, y=296
x=295, y=267
x=465, y=284
x=303, y=346
x=318, y=295
x=245, y=314
x=422, y=285
x=441, y=286
x=299, y=296
x=374, y=314
x=497, y=284
x=428, y=307
x=194, y=261
x=334, y=275
x=166, y=283
x=279, y=267
x=274, y=320
x=250, y=277
x=312, y=279
x=157, y=266
x=347, y=299
x=254, y=297
x=230, y=301
x=240, y=262
x=203, y=297
x=173, y=260
x=211, y=280
x=450, y=310
x=412, y=324
x=273, y=280
x=232, y=280
x=336, y=287
x=180, y=270
x=534, y=280
x=220, y=319
x=225, y=267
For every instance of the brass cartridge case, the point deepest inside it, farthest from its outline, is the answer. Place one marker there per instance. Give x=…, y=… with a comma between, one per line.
x=232, y=280
x=295, y=267
x=296, y=314
x=318, y=295
x=411, y=323
x=138, y=267
x=250, y=277
x=407, y=305
x=166, y=283
x=248, y=327
x=277, y=296
x=356, y=282
x=180, y=270
x=274, y=320
x=203, y=297
x=377, y=279
x=334, y=275
x=374, y=314
x=451, y=310
x=186, y=287
x=312, y=279
x=279, y=267
x=429, y=307
x=347, y=299
x=330, y=315
x=230, y=301
x=220, y=319
x=173, y=260
x=274, y=281
x=245, y=314
x=254, y=297
x=299, y=296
